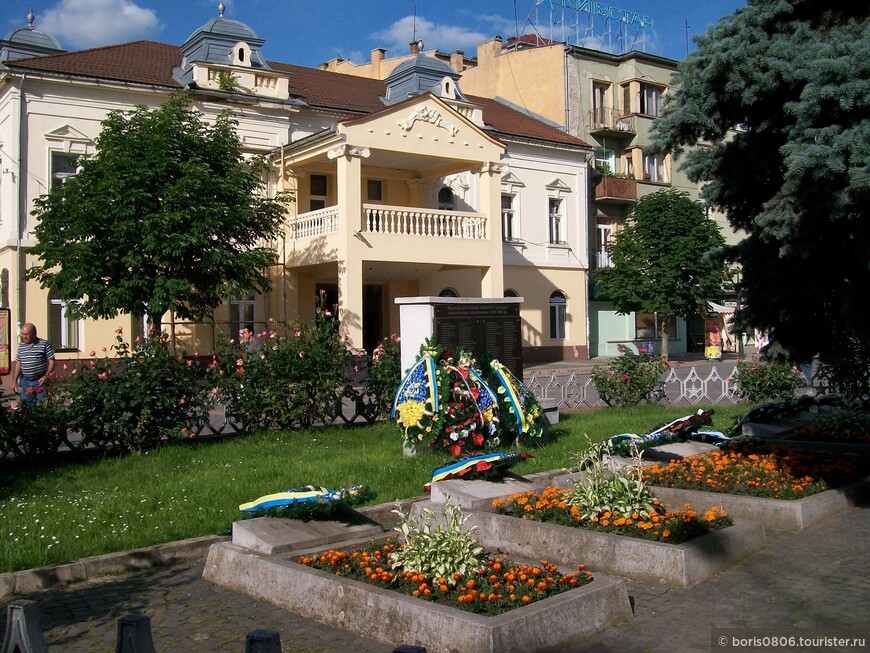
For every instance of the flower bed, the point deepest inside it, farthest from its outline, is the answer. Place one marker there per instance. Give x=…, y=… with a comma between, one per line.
x=674, y=526
x=784, y=488
x=761, y=470
x=493, y=588
x=395, y=617
x=683, y=565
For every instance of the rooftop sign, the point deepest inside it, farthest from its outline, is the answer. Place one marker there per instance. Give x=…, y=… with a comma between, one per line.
x=602, y=9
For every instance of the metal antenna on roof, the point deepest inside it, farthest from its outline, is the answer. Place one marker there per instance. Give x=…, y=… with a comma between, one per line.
x=414, y=37
x=687, y=38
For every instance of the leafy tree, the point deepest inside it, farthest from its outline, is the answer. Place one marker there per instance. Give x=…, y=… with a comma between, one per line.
x=167, y=215
x=661, y=261
x=781, y=91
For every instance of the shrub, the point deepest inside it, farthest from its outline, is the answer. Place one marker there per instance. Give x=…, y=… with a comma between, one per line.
x=620, y=491
x=385, y=373
x=629, y=379
x=32, y=429
x=293, y=381
x=134, y=401
x=848, y=371
x=766, y=380
x=440, y=552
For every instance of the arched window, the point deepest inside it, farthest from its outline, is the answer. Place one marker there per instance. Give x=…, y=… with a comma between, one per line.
x=446, y=199
x=510, y=292
x=448, y=292
x=558, y=315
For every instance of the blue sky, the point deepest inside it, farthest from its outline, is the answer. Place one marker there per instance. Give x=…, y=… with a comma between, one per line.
x=310, y=32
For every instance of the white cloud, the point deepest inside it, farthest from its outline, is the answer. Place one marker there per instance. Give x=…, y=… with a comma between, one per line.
x=435, y=37
x=91, y=23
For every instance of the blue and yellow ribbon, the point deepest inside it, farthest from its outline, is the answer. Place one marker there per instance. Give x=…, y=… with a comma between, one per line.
x=414, y=388
x=506, y=378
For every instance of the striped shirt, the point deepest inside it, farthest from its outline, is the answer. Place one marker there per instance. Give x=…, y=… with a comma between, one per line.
x=34, y=358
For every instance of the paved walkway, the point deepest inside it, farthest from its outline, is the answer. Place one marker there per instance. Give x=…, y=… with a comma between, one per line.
x=815, y=579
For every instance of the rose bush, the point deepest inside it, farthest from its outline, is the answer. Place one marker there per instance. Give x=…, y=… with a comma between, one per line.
x=136, y=400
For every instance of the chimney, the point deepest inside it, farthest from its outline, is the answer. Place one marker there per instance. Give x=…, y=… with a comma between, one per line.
x=416, y=46
x=457, y=60
x=377, y=60
x=489, y=50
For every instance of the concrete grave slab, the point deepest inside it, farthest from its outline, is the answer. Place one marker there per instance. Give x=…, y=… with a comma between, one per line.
x=478, y=494
x=677, y=450
x=270, y=536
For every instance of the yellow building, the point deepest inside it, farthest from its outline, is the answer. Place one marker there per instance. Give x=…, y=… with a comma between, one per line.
x=607, y=100
x=403, y=187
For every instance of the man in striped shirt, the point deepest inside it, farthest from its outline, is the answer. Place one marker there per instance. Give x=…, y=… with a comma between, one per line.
x=33, y=365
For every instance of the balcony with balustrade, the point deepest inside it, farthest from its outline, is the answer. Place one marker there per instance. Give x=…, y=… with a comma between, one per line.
x=397, y=221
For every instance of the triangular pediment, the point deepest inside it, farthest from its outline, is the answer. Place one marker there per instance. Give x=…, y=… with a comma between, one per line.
x=67, y=133
x=510, y=180
x=426, y=125
x=558, y=186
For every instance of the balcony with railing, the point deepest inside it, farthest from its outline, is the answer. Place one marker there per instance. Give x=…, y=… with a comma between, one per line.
x=616, y=190
x=393, y=220
x=436, y=223
x=611, y=122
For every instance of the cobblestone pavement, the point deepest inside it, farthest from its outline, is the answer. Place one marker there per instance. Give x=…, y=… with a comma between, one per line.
x=812, y=580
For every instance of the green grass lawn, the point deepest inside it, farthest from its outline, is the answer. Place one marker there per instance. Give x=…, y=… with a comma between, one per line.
x=73, y=508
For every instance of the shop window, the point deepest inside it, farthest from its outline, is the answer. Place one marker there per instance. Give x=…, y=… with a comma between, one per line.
x=647, y=326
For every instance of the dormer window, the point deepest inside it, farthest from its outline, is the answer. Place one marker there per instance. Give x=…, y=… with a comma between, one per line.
x=448, y=88
x=242, y=54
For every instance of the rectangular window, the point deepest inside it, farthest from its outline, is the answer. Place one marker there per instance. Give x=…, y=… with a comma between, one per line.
x=374, y=190
x=628, y=165
x=509, y=218
x=61, y=167
x=605, y=233
x=654, y=168
x=600, y=104
x=557, y=237
x=626, y=100
x=650, y=100
x=63, y=330
x=605, y=161
x=241, y=313
x=647, y=326
x=318, y=192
